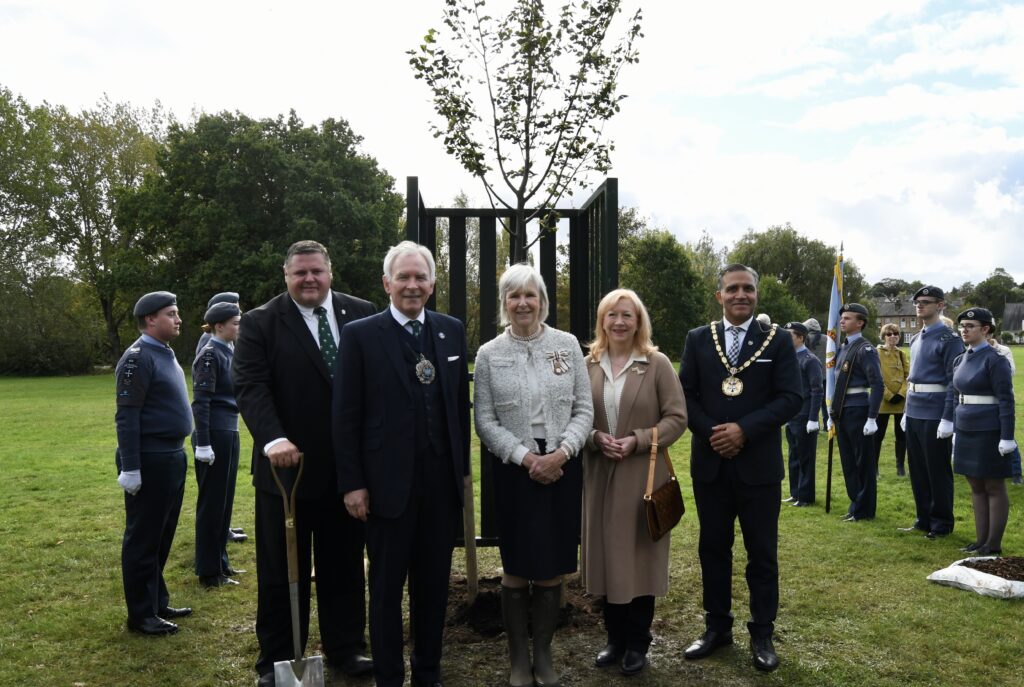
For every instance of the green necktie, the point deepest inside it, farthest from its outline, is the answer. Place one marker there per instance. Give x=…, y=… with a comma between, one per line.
x=328, y=349
x=416, y=327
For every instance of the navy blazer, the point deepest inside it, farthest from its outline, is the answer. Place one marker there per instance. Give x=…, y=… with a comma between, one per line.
x=772, y=394
x=283, y=388
x=374, y=413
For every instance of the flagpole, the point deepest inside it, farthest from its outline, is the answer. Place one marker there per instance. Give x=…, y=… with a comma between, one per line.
x=831, y=350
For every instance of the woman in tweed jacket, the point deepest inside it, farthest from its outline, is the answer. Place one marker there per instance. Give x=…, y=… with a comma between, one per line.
x=533, y=411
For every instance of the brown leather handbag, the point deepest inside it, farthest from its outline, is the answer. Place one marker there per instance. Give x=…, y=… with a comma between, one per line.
x=664, y=506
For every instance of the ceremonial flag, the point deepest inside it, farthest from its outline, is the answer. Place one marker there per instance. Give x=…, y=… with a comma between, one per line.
x=832, y=342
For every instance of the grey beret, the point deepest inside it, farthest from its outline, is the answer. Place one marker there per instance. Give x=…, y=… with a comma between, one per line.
x=854, y=307
x=153, y=302
x=223, y=297
x=930, y=292
x=812, y=325
x=220, y=312
x=983, y=315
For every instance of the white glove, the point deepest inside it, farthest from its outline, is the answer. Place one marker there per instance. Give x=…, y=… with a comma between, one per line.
x=812, y=427
x=870, y=427
x=903, y=423
x=945, y=430
x=204, y=454
x=829, y=424
x=1007, y=446
x=130, y=481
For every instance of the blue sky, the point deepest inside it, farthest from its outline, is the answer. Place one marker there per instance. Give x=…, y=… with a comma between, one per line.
x=894, y=127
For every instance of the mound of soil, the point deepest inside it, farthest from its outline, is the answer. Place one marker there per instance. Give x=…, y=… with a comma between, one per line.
x=481, y=620
x=1009, y=568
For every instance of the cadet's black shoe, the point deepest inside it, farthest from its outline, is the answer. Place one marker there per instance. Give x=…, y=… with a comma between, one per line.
x=706, y=644
x=231, y=572
x=763, y=653
x=973, y=546
x=935, y=534
x=267, y=680
x=912, y=528
x=632, y=662
x=211, y=581
x=171, y=613
x=608, y=656
x=801, y=504
x=237, y=537
x=236, y=530
x=154, y=627
x=353, y=665
x=788, y=500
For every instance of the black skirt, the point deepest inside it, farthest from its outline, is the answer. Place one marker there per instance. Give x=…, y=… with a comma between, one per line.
x=539, y=524
x=976, y=454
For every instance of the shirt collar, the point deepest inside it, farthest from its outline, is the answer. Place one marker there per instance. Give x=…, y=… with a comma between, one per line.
x=745, y=326
x=983, y=344
x=401, y=318
x=853, y=337
x=328, y=305
x=606, y=363
x=802, y=348
x=153, y=341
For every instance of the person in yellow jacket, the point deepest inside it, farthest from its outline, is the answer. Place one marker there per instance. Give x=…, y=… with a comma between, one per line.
x=895, y=369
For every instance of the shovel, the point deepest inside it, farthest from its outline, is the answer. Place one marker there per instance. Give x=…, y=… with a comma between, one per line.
x=301, y=672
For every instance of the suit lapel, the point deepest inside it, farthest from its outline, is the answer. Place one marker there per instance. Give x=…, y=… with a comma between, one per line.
x=292, y=319
x=443, y=347
x=753, y=340
x=392, y=347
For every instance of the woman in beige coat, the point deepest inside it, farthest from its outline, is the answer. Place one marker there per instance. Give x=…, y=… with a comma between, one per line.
x=634, y=388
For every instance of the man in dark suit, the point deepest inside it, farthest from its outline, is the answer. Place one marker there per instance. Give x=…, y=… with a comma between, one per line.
x=401, y=423
x=742, y=383
x=282, y=369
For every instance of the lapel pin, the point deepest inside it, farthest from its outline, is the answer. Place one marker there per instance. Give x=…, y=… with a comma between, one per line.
x=441, y=335
x=343, y=311
x=750, y=343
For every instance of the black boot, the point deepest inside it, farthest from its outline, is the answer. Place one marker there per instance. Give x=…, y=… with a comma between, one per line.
x=545, y=607
x=615, y=626
x=515, y=612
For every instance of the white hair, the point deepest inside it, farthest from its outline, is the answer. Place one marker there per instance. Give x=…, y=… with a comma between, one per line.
x=409, y=248
x=516, y=278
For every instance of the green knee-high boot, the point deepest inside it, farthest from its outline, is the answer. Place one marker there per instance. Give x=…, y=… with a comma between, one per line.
x=515, y=612
x=545, y=609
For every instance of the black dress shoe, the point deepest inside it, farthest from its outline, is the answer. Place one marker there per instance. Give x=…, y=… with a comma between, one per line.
x=802, y=504
x=912, y=528
x=609, y=656
x=267, y=680
x=236, y=530
x=237, y=537
x=633, y=662
x=353, y=665
x=935, y=535
x=231, y=572
x=763, y=653
x=973, y=546
x=171, y=613
x=984, y=550
x=900, y=472
x=154, y=627
x=211, y=581
x=707, y=643
x=788, y=500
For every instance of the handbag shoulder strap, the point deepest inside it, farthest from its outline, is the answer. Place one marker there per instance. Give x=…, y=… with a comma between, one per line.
x=653, y=462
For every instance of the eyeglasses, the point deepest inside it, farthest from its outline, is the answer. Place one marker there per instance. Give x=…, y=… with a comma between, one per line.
x=969, y=325
x=919, y=302
x=893, y=334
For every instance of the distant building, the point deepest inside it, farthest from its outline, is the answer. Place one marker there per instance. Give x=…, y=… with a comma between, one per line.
x=899, y=311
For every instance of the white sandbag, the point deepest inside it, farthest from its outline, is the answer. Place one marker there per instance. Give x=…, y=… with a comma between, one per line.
x=973, y=580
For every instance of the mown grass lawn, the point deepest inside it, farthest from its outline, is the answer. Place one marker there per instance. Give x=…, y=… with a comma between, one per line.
x=855, y=607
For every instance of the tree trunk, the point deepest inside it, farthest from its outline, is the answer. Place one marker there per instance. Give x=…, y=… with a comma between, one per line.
x=113, y=337
x=517, y=244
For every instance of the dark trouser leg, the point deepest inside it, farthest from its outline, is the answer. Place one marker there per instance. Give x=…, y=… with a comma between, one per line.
x=639, y=617
x=151, y=518
x=849, y=432
x=716, y=511
x=901, y=442
x=758, y=510
x=998, y=512
x=273, y=610
x=793, y=443
x=807, y=455
x=917, y=463
x=211, y=529
x=338, y=544
x=938, y=462
x=229, y=501
x=430, y=570
x=879, y=436
x=979, y=501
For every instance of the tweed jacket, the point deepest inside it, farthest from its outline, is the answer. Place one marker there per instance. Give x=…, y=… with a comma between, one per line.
x=501, y=397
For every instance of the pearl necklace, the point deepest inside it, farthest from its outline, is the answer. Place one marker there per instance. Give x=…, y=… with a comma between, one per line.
x=529, y=337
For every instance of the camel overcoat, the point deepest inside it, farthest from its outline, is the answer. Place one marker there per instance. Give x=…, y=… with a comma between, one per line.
x=620, y=560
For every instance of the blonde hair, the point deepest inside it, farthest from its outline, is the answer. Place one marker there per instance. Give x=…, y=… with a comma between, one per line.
x=946, y=321
x=890, y=328
x=641, y=339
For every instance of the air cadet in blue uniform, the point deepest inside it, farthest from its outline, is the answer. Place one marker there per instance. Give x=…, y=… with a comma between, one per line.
x=234, y=534
x=984, y=429
x=153, y=419
x=216, y=445
x=855, y=403
x=928, y=417
x=802, y=429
